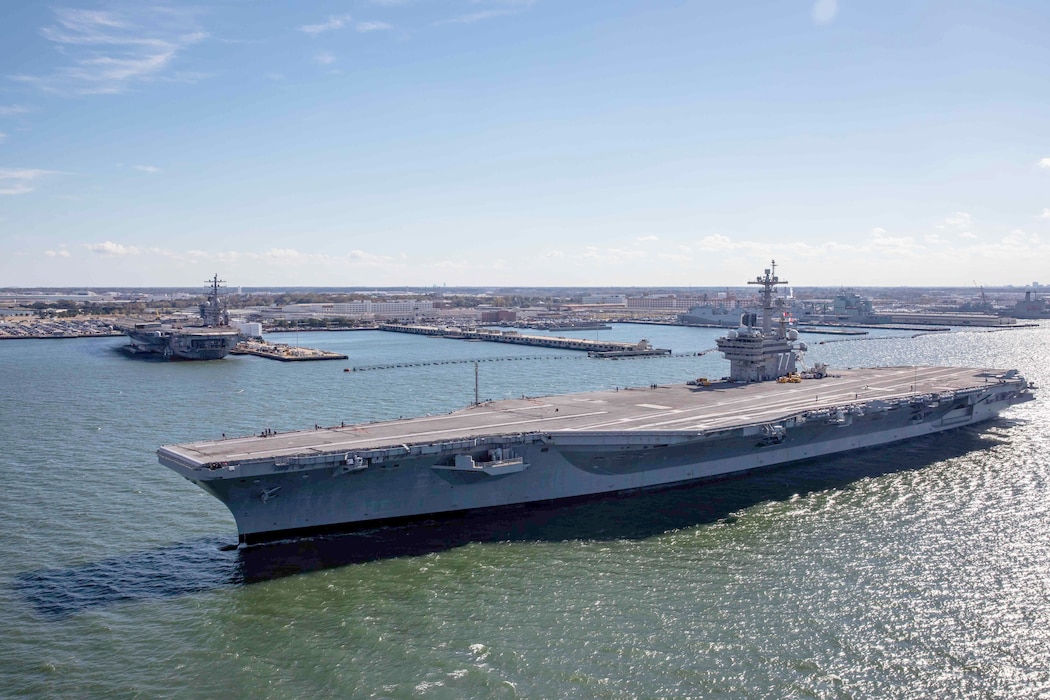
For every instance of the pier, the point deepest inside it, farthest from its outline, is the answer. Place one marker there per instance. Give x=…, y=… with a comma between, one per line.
x=283, y=352
x=823, y=330
x=594, y=348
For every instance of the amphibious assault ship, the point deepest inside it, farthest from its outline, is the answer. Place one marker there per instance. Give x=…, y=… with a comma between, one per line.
x=520, y=451
x=212, y=340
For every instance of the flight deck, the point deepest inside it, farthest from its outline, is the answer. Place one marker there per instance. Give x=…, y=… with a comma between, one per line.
x=678, y=407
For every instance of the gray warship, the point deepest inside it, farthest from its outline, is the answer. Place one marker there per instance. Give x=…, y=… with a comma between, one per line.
x=1031, y=307
x=212, y=340
x=514, y=452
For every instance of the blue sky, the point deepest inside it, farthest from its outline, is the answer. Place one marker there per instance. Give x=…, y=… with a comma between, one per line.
x=524, y=142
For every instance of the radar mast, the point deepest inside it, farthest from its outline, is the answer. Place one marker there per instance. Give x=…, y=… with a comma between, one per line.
x=213, y=311
x=769, y=281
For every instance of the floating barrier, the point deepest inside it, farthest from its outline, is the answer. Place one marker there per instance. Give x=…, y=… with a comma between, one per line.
x=432, y=363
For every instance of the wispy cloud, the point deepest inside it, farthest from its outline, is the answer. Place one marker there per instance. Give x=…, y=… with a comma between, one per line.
x=371, y=26
x=18, y=181
x=648, y=238
x=276, y=257
x=824, y=11
x=906, y=255
x=22, y=173
x=110, y=51
x=2, y=136
x=341, y=21
x=496, y=8
x=332, y=23
x=325, y=58
x=1044, y=162
x=1020, y=238
x=959, y=219
x=60, y=253
x=146, y=168
x=13, y=110
x=720, y=243
x=1045, y=214
x=111, y=248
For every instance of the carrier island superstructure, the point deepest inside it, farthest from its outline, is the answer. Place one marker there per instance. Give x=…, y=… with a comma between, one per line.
x=521, y=451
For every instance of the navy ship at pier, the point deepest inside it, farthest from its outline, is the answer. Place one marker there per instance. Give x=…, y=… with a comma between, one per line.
x=212, y=339
x=520, y=451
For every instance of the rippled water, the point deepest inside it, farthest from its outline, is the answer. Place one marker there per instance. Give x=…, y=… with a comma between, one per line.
x=919, y=570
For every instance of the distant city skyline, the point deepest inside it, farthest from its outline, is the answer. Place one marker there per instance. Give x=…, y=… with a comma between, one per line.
x=524, y=143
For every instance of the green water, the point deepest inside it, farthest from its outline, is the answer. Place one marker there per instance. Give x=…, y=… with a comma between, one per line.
x=915, y=571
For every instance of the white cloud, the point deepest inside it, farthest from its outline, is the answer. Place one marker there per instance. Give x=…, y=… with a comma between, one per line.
x=111, y=248
x=60, y=253
x=824, y=11
x=450, y=266
x=968, y=234
x=16, y=188
x=2, y=136
x=362, y=258
x=13, y=110
x=1045, y=214
x=371, y=26
x=325, y=58
x=288, y=254
x=647, y=238
x=22, y=174
x=719, y=243
x=716, y=242
x=1017, y=237
x=957, y=220
x=1044, y=162
x=146, y=168
x=897, y=246
x=19, y=180
x=500, y=9
x=283, y=257
x=333, y=22
x=109, y=52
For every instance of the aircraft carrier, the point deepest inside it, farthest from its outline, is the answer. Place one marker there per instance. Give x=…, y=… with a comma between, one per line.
x=519, y=451
x=212, y=340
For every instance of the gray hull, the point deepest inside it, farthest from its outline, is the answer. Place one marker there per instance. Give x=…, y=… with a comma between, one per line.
x=184, y=344
x=337, y=485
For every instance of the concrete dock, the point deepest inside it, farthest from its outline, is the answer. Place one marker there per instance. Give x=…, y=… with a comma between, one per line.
x=596, y=348
x=283, y=352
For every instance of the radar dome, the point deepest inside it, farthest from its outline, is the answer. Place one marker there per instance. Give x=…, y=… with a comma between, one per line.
x=792, y=334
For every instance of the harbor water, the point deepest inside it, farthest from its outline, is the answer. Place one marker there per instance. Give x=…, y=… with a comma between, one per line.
x=916, y=570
